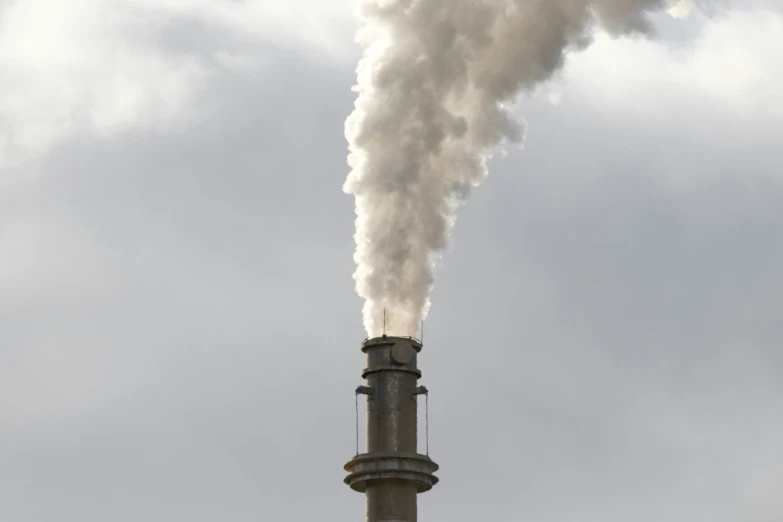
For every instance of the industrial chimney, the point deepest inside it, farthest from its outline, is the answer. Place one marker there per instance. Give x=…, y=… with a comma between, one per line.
x=391, y=472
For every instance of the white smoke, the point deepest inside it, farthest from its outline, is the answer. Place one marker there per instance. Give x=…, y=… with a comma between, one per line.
x=435, y=90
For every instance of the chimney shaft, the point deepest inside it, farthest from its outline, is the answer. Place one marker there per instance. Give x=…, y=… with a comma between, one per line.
x=391, y=471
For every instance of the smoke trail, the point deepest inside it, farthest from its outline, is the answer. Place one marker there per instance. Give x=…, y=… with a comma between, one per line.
x=435, y=87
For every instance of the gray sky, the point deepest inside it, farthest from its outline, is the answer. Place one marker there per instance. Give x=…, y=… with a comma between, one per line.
x=179, y=334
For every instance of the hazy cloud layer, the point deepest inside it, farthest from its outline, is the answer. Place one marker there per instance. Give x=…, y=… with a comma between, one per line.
x=179, y=341
x=103, y=67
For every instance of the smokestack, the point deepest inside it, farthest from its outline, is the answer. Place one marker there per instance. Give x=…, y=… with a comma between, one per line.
x=391, y=472
x=436, y=86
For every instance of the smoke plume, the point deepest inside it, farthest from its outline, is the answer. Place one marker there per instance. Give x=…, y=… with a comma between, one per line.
x=435, y=89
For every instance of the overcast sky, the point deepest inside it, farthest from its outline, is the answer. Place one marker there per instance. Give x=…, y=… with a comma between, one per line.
x=179, y=332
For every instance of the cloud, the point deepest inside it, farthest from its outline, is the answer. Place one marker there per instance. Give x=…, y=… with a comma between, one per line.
x=717, y=89
x=178, y=339
x=681, y=8
x=68, y=69
x=320, y=26
x=102, y=67
x=731, y=68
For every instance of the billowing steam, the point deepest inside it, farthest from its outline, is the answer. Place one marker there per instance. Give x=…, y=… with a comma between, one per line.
x=435, y=90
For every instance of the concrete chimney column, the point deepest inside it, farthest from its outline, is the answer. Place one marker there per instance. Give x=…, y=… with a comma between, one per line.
x=391, y=472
